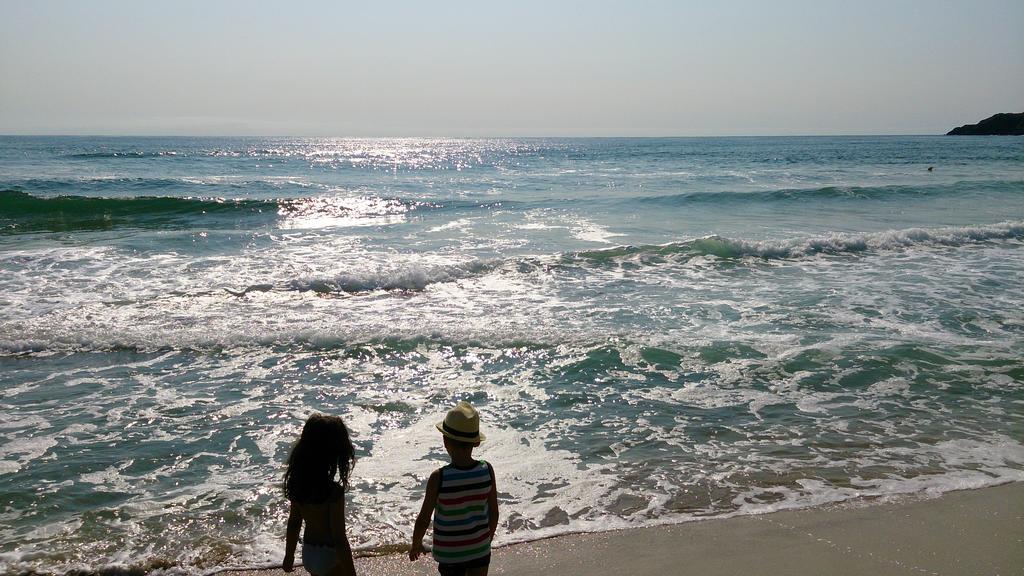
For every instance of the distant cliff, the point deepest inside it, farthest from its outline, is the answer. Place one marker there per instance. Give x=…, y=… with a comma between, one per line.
x=998, y=125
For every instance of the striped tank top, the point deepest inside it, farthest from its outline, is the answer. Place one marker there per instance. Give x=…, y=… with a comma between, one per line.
x=461, y=515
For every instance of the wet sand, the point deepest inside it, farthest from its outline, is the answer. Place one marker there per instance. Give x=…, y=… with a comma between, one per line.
x=964, y=532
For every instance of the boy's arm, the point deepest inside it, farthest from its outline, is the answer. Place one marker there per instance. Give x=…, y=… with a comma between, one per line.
x=291, y=537
x=343, y=565
x=423, y=518
x=492, y=503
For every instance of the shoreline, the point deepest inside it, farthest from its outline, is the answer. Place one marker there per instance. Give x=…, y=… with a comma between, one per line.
x=974, y=531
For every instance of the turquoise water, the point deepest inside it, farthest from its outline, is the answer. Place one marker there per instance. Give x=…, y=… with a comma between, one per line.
x=654, y=330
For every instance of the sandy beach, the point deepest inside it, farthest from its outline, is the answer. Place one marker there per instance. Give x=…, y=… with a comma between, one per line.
x=964, y=532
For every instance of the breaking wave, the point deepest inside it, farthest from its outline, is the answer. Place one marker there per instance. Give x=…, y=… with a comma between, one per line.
x=24, y=212
x=829, y=244
x=838, y=193
x=409, y=279
x=122, y=154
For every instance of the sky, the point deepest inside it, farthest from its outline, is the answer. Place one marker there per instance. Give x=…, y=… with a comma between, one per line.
x=523, y=68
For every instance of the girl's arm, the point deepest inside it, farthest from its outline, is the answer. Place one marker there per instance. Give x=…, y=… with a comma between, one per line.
x=291, y=537
x=492, y=503
x=343, y=565
x=423, y=519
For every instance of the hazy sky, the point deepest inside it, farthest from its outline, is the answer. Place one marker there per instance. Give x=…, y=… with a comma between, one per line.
x=452, y=68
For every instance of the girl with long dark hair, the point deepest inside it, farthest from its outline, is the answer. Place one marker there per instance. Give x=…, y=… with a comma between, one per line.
x=317, y=499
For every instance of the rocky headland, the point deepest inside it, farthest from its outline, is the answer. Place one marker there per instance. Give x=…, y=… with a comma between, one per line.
x=1005, y=124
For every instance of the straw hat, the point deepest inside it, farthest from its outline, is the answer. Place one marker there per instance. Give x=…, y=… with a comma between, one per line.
x=462, y=423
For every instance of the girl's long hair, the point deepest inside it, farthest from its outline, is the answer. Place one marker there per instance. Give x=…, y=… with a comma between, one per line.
x=323, y=450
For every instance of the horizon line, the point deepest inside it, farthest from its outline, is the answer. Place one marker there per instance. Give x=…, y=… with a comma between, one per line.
x=454, y=137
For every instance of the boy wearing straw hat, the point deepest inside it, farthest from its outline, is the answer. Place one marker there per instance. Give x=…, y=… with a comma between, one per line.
x=463, y=498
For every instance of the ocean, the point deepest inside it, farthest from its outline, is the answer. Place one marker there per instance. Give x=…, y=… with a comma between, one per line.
x=654, y=331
